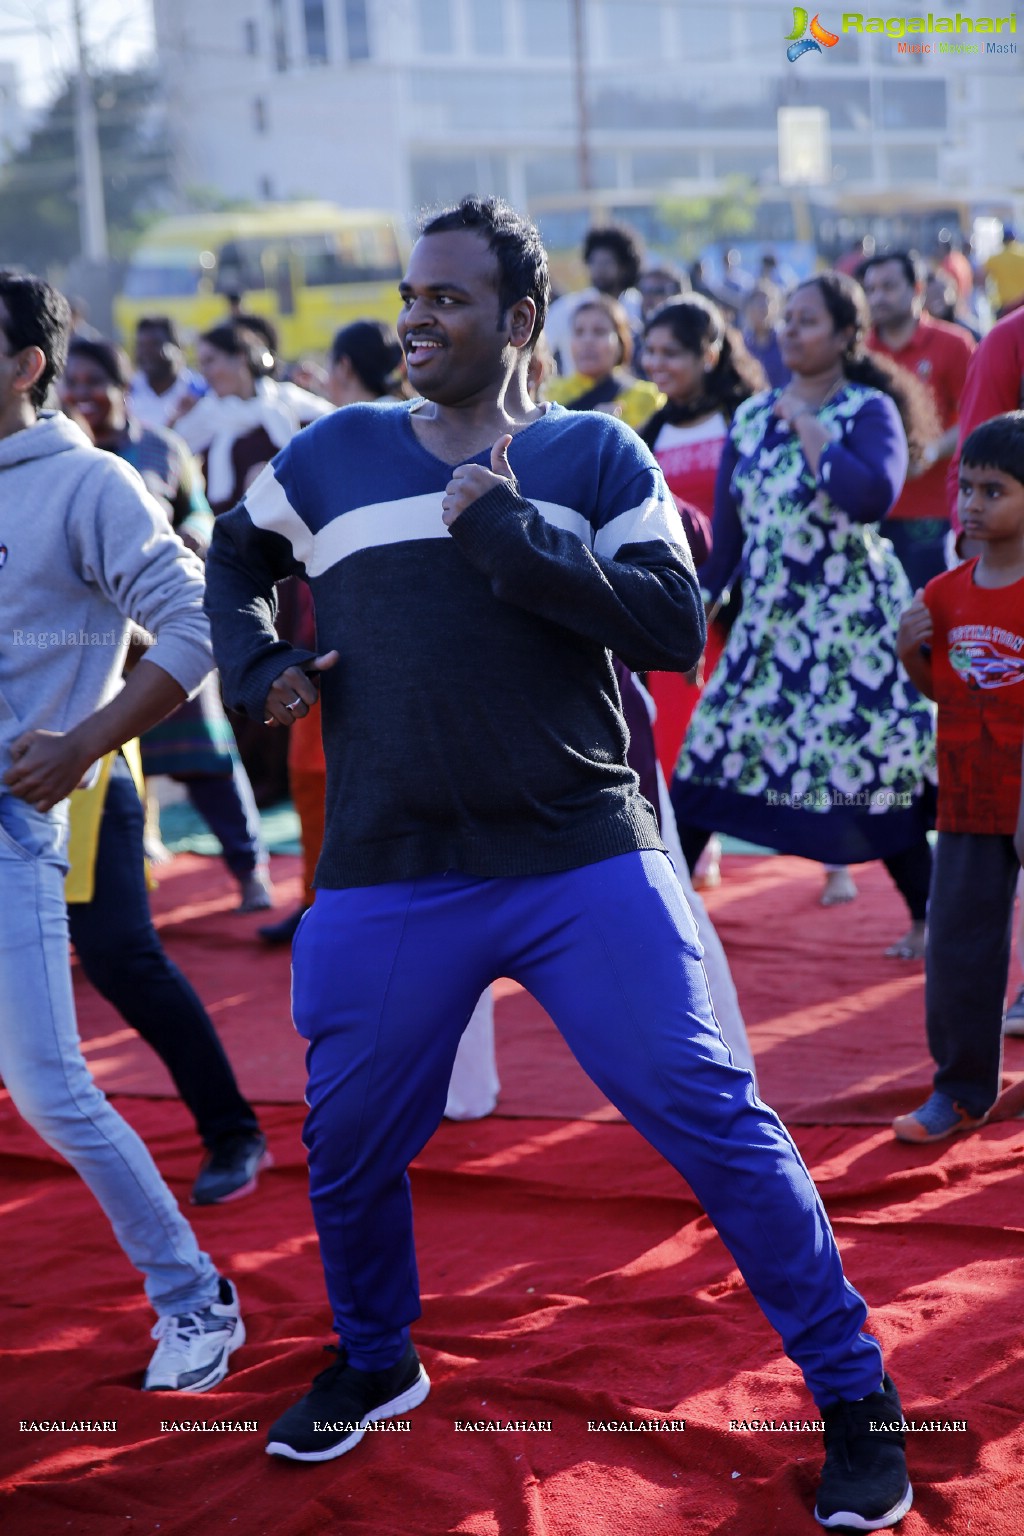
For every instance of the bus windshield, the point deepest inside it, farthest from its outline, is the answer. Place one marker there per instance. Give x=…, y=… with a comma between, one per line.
x=159, y=274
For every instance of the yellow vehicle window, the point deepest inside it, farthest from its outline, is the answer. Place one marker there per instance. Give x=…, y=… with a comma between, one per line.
x=240, y=267
x=163, y=274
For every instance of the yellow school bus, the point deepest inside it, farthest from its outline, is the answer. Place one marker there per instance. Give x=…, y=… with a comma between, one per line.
x=308, y=267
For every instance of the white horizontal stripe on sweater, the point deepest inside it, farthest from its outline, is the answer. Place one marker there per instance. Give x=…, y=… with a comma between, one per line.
x=657, y=518
x=371, y=527
x=269, y=508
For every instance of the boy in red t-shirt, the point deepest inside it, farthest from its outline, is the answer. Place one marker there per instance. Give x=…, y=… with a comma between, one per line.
x=962, y=644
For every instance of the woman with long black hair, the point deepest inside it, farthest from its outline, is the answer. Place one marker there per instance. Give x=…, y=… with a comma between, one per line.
x=703, y=369
x=808, y=737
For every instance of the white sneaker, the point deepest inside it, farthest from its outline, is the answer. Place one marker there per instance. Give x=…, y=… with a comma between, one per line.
x=1013, y=1021
x=192, y=1355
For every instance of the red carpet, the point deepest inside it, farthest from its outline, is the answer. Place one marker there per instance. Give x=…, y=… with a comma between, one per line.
x=567, y=1276
x=836, y=1028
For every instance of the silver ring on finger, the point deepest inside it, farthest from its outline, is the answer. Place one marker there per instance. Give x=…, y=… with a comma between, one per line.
x=297, y=700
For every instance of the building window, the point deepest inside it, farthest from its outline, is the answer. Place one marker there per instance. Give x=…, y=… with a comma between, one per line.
x=914, y=104
x=756, y=165
x=487, y=27
x=656, y=168
x=357, y=30
x=457, y=101
x=908, y=163
x=547, y=33
x=704, y=38
x=444, y=179
x=852, y=163
x=259, y=114
x=441, y=179
x=558, y=173
x=633, y=30
x=436, y=33
x=279, y=33
x=315, y=23
x=252, y=38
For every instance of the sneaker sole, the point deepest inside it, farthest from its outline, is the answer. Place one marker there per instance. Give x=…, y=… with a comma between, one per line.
x=925, y=1138
x=410, y=1398
x=847, y=1520
x=266, y=1161
x=218, y=1368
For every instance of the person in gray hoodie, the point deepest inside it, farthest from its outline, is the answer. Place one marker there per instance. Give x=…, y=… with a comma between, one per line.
x=85, y=553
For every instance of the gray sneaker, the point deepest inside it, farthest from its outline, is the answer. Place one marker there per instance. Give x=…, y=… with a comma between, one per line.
x=1013, y=1019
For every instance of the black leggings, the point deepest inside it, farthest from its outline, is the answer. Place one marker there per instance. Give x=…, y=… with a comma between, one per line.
x=120, y=952
x=911, y=870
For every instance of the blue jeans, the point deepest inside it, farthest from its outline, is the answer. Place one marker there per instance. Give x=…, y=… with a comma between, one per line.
x=385, y=979
x=45, y=1073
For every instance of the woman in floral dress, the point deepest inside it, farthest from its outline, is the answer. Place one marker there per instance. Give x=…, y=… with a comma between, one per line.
x=809, y=738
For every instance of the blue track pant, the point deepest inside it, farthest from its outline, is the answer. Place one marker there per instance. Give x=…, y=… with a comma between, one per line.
x=385, y=979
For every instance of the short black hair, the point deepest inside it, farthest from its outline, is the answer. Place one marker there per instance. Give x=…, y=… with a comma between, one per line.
x=38, y=315
x=159, y=323
x=913, y=268
x=997, y=444
x=105, y=355
x=624, y=246
x=679, y=280
x=516, y=245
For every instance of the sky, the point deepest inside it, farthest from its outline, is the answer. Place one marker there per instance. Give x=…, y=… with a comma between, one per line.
x=38, y=35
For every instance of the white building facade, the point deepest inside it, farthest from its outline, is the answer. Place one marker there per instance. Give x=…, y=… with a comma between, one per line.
x=404, y=103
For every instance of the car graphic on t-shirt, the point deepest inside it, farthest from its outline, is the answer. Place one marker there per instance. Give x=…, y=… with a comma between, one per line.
x=982, y=664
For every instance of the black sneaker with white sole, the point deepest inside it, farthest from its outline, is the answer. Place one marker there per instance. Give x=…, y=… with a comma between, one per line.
x=194, y=1347
x=333, y=1415
x=864, y=1483
x=230, y=1168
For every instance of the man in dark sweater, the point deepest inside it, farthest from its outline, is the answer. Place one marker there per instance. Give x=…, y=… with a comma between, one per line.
x=474, y=559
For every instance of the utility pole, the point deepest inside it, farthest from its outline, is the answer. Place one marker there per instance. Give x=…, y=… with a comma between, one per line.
x=92, y=218
x=579, y=48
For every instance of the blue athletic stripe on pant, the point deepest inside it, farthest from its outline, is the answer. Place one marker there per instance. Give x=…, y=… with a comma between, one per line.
x=385, y=979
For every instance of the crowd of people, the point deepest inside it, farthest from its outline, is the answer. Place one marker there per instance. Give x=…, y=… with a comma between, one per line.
x=511, y=609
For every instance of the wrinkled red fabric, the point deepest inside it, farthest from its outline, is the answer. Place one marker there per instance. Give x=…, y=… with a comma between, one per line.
x=567, y=1275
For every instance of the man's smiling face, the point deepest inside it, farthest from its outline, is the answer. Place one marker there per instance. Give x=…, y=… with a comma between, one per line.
x=451, y=324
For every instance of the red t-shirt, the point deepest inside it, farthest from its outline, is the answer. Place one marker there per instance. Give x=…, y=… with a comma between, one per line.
x=938, y=354
x=978, y=680
x=689, y=457
x=995, y=383
x=959, y=268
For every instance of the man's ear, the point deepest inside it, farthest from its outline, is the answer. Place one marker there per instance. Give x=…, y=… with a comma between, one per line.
x=521, y=319
x=29, y=368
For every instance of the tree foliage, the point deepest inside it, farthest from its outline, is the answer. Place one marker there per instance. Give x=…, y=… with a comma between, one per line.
x=700, y=221
x=39, y=226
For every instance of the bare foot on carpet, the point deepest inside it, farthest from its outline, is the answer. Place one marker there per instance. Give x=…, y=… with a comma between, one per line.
x=839, y=888
x=911, y=946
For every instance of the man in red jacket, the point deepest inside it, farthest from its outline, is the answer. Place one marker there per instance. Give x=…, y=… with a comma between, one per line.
x=994, y=385
x=938, y=355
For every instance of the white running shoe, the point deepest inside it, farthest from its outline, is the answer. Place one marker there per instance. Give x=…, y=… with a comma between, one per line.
x=193, y=1349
